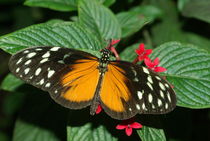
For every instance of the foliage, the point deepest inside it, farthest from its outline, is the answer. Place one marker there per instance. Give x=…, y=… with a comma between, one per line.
x=181, y=47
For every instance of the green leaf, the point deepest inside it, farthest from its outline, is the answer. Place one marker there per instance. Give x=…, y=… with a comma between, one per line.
x=11, y=83
x=60, y=5
x=88, y=132
x=129, y=54
x=182, y=3
x=188, y=70
x=83, y=127
x=131, y=22
x=64, y=34
x=197, y=9
x=28, y=132
x=40, y=119
x=151, y=134
x=150, y=12
x=99, y=19
x=108, y=2
x=197, y=40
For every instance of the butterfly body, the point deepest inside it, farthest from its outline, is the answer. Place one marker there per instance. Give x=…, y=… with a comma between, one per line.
x=76, y=79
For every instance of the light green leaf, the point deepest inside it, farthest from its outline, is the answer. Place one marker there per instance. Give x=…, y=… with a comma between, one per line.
x=188, y=70
x=60, y=5
x=198, y=9
x=151, y=134
x=64, y=34
x=11, y=83
x=131, y=22
x=99, y=19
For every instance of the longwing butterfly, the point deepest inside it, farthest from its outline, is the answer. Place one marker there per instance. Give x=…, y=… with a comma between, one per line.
x=76, y=79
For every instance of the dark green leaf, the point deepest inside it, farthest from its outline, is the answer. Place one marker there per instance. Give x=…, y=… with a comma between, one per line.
x=150, y=12
x=198, y=9
x=64, y=34
x=188, y=70
x=11, y=83
x=131, y=22
x=182, y=3
x=151, y=134
x=99, y=19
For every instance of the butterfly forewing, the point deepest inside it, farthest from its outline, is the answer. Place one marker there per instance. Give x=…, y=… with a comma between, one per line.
x=135, y=89
x=49, y=68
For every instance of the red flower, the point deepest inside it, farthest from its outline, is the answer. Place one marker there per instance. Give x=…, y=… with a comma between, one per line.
x=154, y=65
x=128, y=125
x=99, y=109
x=142, y=52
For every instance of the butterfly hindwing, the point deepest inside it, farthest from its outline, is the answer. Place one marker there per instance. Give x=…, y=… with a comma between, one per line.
x=135, y=89
x=59, y=71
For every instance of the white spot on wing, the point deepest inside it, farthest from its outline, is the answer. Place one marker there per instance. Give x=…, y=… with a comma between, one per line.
x=41, y=82
x=167, y=85
x=55, y=49
x=162, y=86
x=149, y=78
x=65, y=56
x=61, y=62
x=50, y=73
x=44, y=60
x=143, y=106
x=157, y=77
x=150, y=85
x=17, y=70
x=47, y=54
x=38, y=49
x=159, y=102
x=137, y=107
x=20, y=60
x=32, y=54
x=150, y=98
x=27, y=62
x=26, y=51
x=130, y=109
x=161, y=94
x=140, y=94
x=169, y=97
x=47, y=85
x=26, y=70
x=145, y=70
x=38, y=71
x=166, y=105
x=56, y=91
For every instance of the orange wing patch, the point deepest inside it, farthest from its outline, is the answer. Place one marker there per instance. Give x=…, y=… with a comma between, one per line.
x=114, y=90
x=82, y=81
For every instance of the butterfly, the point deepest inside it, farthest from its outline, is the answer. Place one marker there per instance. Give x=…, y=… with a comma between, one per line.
x=76, y=79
